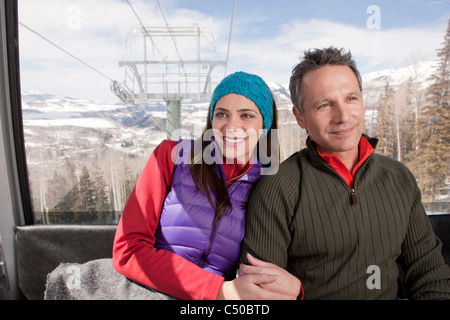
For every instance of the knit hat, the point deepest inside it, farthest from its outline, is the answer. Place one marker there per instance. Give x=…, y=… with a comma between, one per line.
x=249, y=86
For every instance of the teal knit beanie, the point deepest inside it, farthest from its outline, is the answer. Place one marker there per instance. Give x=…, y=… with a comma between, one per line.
x=250, y=86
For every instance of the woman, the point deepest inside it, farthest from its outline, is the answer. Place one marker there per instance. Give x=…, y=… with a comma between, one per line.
x=181, y=229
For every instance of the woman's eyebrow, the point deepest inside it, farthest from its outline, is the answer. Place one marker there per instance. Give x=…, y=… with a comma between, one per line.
x=248, y=110
x=221, y=109
x=239, y=110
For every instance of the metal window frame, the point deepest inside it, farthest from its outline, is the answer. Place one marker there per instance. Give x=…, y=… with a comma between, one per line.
x=15, y=197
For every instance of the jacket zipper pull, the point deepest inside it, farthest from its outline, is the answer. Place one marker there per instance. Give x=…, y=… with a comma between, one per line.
x=354, y=197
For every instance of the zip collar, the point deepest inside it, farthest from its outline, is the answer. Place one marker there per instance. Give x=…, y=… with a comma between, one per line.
x=366, y=147
x=365, y=150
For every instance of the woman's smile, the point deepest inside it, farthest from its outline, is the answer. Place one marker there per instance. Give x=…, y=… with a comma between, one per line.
x=233, y=141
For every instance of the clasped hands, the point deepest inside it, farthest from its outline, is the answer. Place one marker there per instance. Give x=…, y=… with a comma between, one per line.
x=261, y=281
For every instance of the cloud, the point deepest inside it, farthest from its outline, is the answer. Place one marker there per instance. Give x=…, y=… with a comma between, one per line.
x=102, y=38
x=372, y=49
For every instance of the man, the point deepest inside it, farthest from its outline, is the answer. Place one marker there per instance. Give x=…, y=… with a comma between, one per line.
x=336, y=215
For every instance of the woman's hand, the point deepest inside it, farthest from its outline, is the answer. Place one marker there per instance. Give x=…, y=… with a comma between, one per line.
x=261, y=281
x=248, y=287
x=286, y=283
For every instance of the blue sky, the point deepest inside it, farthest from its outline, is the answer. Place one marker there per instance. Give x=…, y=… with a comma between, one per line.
x=395, y=13
x=268, y=36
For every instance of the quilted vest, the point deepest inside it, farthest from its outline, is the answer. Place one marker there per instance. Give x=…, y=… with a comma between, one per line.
x=187, y=219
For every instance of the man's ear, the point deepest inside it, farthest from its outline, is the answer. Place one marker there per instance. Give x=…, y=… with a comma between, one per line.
x=299, y=117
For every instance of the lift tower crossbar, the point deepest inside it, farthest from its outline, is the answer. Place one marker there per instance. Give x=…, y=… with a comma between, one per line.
x=171, y=80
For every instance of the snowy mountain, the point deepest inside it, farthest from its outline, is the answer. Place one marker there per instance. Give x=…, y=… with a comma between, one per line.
x=60, y=120
x=136, y=130
x=280, y=92
x=396, y=77
x=374, y=82
x=41, y=109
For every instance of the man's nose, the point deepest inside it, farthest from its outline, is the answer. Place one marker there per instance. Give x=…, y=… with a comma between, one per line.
x=341, y=112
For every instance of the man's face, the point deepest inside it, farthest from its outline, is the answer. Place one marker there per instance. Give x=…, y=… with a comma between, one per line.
x=333, y=109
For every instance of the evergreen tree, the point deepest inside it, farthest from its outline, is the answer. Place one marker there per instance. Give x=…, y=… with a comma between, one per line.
x=69, y=201
x=87, y=196
x=101, y=198
x=434, y=150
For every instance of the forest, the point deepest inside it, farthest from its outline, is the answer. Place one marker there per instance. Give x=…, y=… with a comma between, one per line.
x=413, y=127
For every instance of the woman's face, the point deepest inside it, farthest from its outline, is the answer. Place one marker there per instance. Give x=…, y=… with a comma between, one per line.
x=237, y=125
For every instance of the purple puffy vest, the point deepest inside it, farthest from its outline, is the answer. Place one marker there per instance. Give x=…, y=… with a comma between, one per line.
x=187, y=220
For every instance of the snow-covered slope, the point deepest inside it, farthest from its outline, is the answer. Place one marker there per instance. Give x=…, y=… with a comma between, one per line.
x=131, y=129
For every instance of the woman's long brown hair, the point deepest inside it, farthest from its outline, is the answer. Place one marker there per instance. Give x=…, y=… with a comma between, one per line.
x=206, y=178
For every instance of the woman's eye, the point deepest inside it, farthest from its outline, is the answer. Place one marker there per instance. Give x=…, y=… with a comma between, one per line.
x=219, y=115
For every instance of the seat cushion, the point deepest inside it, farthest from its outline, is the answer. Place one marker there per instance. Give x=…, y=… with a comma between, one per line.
x=42, y=248
x=95, y=280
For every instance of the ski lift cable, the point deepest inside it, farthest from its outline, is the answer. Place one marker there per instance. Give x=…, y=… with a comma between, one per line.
x=65, y=51
x=173, y=39
x=229, y=38
x=151, y=39
x=146, y=32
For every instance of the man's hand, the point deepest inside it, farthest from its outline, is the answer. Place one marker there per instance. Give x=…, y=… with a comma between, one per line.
x=286, y=284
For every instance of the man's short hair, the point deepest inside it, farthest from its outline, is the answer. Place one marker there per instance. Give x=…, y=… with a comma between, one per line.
x=313, y=60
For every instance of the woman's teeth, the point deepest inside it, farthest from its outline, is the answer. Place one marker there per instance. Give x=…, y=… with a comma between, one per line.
x=234, y=140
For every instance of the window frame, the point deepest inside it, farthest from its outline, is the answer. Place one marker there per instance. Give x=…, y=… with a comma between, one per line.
x=15, y=97
x=14, y=191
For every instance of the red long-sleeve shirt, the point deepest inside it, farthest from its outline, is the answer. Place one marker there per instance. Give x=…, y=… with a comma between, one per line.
x=365, y=150
x=134, y=252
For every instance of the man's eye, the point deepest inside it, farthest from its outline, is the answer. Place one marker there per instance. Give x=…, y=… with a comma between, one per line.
x=322, y=106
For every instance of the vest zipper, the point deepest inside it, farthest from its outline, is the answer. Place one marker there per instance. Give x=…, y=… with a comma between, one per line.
x=208, y=249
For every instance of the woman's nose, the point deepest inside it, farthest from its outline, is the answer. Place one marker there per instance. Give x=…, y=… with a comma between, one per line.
x=233, y=123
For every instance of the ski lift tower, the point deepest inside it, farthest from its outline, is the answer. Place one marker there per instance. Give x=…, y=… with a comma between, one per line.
x=170, y=79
